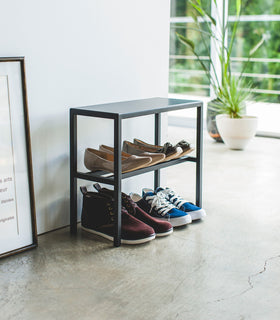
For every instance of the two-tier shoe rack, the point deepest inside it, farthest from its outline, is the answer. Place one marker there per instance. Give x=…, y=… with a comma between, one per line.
x=117, y=112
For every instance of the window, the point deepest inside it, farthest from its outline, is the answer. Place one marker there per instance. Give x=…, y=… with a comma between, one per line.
x=185, y=73
x=258, y=19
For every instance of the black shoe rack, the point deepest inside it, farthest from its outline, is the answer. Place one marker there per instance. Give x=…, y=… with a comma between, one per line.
x=117, y=112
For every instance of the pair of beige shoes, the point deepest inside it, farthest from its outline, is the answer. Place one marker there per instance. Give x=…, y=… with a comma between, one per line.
x=139, y=146
x=134, y=156
x=103, y=159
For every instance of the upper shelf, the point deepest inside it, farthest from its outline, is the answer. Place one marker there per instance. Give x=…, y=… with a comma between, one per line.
x=135, y=108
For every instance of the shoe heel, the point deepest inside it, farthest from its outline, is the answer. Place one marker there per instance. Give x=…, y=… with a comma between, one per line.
x=145, y=190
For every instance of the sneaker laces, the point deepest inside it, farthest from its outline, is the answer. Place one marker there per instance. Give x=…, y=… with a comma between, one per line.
x=159, y=202
x=173, y=197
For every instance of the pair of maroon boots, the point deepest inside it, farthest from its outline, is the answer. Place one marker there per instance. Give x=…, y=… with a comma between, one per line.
x=137, y=225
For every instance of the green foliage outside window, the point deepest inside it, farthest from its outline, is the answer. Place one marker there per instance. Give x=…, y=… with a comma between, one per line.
x=183, y=81
x=248, y=35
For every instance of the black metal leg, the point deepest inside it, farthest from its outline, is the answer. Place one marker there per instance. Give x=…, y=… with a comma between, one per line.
x=73, y=169
x=199, y=145
x=117, y=180
x=157, y=142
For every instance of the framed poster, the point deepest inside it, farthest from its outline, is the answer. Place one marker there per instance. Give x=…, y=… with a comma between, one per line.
x=17, y=208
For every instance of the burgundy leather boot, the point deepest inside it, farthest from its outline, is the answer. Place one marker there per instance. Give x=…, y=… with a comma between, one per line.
x=98, y=218
x=162, y=228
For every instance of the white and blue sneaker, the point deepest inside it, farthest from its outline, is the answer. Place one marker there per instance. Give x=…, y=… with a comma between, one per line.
x=195, y=212
x=157, y=206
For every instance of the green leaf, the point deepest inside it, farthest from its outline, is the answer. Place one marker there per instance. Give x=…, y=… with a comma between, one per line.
x=231, y=97
x=212, y=19
x=238, y=7
x=256, y=47
x=197, y=8
x=185, y=41
x=203, y=13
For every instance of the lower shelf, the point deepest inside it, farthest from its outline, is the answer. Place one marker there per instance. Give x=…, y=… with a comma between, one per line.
x=108, y=178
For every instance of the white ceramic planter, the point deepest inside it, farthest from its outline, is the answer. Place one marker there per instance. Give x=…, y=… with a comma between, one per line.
x=236, y=133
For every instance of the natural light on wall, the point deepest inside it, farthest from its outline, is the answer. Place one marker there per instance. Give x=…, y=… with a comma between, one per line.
x=258, y=19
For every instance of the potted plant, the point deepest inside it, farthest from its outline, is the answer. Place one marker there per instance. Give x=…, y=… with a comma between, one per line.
x=235, y=128
x=231, y=93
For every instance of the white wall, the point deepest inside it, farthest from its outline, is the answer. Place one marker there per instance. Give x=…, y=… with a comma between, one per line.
x=82, y=53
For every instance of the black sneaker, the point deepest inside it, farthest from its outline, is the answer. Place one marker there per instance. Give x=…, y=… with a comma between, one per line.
x=98, y=218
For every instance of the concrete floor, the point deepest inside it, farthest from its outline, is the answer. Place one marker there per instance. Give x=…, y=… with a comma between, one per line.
x=226, y=267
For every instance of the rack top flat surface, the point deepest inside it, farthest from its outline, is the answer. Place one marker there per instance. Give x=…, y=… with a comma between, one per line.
x=137, y=107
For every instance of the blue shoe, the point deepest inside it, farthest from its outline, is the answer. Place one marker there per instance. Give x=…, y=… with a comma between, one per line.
x=194, y=211
x=157, y=206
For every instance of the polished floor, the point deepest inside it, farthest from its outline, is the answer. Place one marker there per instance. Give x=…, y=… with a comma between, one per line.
x=226, y=267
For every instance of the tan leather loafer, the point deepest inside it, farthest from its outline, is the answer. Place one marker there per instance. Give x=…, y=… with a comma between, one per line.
x=110, y=150
x=95, y=160
x=156, y=157
x=135, y=148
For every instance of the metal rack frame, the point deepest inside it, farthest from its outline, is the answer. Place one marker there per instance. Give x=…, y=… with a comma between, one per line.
x=117, y=112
